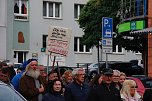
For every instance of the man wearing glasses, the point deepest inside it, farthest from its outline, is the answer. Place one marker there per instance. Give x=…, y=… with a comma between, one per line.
x=77, y=90
x=106, y=91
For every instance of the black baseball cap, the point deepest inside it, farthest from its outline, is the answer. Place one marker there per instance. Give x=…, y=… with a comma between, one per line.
x=107, y=71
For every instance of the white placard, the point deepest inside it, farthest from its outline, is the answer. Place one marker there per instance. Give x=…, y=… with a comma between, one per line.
x=58, y=40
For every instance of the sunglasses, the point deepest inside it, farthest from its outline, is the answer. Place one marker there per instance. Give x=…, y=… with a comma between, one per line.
x=134, y=87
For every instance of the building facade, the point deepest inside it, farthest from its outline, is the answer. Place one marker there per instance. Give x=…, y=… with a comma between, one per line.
x=26, y=30
x=138, y=15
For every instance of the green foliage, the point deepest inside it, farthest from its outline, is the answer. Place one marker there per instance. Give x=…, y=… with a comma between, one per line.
x=90, y=19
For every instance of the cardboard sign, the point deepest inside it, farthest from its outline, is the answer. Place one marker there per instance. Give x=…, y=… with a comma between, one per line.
x=58, y=40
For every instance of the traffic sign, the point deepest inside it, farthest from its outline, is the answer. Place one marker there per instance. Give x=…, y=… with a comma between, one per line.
x=107, y=27
x=107, y=42
x=107, y=30
x=107, y=49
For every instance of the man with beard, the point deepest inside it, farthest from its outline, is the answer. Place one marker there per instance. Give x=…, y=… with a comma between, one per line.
x=32, y=85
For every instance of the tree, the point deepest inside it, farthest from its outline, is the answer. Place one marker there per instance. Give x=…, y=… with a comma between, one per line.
x=90, y=19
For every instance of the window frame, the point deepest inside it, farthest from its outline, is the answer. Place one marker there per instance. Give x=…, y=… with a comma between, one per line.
x=78, y=9
x=54, y=10
x=78, y=45
x=117, y=50
x=17, y=15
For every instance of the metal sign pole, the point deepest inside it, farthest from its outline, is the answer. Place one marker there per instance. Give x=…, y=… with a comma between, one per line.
x=47, y=64
x=98, y=59
x=106, y=60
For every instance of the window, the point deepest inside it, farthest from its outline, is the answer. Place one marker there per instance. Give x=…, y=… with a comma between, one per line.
x=79, y=47
x=134, y=8
x=21, y=10
x=117, y=49
x=51, y=9
x=137, y=52
x=44, y=39
x=77, y=10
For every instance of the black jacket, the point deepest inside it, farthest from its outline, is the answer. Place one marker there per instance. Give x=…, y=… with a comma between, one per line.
x=104, y=93
x=75, y=92
x=53, y=97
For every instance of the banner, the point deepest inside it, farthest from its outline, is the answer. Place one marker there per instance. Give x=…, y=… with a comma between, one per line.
x=58, y=40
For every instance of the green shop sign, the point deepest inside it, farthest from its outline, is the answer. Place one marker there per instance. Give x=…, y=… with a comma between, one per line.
x=129, y=26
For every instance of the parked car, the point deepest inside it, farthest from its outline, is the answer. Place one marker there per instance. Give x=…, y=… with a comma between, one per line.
x=17, y=65
x=147, y=81
x=125, y=67
x=92, y=69
x=137, y=62
x=7, y=93
x=140, y=86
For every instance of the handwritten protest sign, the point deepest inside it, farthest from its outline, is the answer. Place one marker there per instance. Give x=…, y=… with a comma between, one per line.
x=58, y=40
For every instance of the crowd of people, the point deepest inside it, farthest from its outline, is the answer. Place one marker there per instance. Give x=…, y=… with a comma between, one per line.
x=35, y=85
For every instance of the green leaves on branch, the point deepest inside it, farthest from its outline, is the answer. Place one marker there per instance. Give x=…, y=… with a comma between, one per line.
x=90, y=19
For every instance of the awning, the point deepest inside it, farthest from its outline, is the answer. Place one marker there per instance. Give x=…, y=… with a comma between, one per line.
x=143, y=31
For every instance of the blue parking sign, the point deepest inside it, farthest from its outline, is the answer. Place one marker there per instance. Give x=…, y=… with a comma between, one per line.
x=107, y=27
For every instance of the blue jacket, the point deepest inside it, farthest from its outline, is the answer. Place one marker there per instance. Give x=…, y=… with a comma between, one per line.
x=16, y=79
x=53, y=97
x=76, y=92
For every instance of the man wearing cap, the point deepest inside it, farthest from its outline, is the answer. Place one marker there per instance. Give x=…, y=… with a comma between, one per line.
x=106, y=91
x=32, y=85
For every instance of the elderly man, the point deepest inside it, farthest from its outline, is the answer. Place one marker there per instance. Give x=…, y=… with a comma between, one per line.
x=77, y=90
x=106, y=91
x=42, y=71
x=32, y=85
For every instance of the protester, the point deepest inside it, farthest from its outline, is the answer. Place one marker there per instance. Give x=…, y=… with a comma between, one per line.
x=5, y=75
x=67, y=77
x=19, y=70
x=122, y=77
x=106, y=91
x=11, y=70
x=128, y=91
x=97, y=80
x=42, y=71
x=116, y=78
x=52, y=75
x=147, y=95
x=77, y=90
x=56, y=91
x=32, y=85
x=16, y=78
